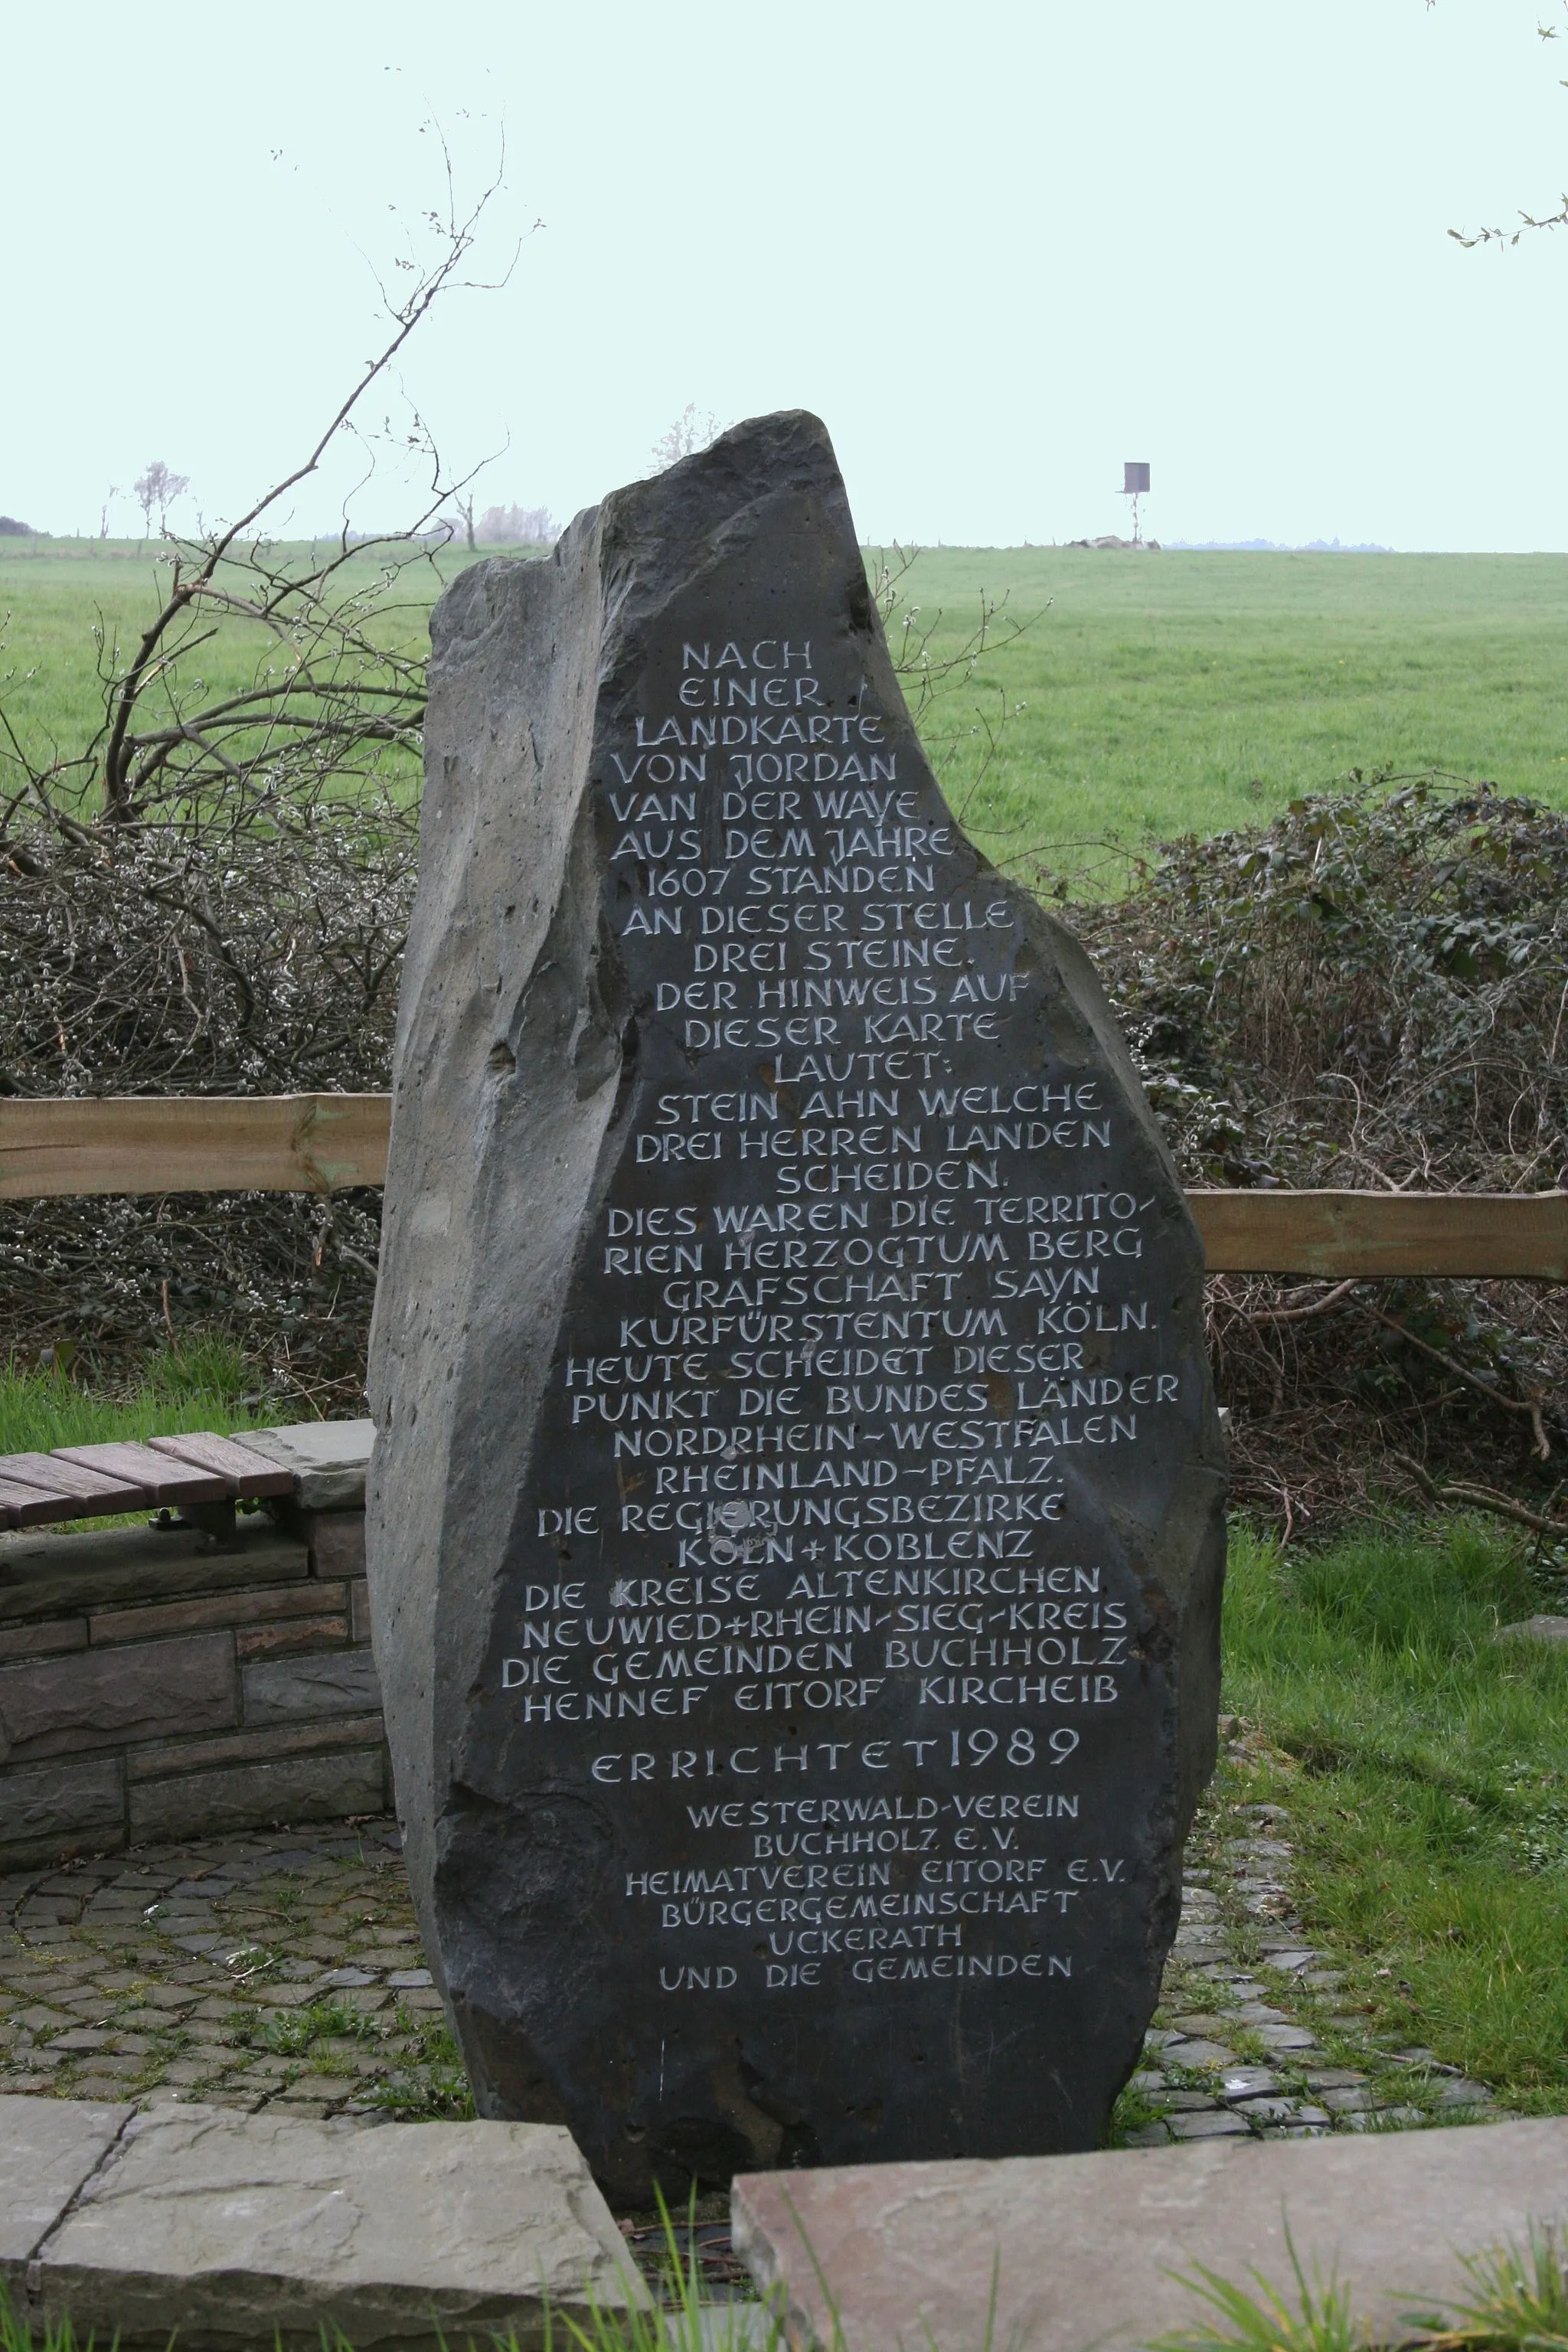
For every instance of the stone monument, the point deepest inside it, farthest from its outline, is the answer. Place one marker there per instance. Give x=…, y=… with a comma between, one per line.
x=796, y=1503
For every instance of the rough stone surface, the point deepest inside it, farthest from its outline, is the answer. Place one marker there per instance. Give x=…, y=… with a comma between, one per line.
x=337, y=1542
x=41, y=1575
x=294, y=1789
x=48, y=2149
x=340, y=1681
x=292, y=1638
x=306, y=1599
x=796, y=1711
x=163, y=1758
x=1085, y=2246
x=328, y=1459
x=43, y=1641
x=232, y=2227
x=108, y=1697
x=60, y=1801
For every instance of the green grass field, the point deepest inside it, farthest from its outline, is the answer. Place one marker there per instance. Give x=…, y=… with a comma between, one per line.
x=1168, y=693
x=1151, y=695
x=1424, y=1767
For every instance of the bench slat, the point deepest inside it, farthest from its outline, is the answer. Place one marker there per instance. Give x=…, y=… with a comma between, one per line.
x=244, y=1474
x=33, y=1506
x=162, y=1478
x=96, y=1490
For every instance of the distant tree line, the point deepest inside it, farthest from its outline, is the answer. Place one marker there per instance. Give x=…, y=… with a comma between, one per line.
x=516, y=527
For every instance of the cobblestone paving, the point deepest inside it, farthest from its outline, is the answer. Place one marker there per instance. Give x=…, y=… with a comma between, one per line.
x=1262, y=2045
x=285, y=1970
x=251, y=1971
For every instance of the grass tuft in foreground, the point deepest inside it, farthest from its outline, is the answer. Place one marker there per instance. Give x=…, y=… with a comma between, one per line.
x=1311, y=2315
x=20, y=2335
x=1520, y=2298
x=1519, y=2303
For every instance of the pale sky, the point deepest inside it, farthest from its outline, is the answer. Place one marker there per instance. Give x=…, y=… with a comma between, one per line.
x=998, y=248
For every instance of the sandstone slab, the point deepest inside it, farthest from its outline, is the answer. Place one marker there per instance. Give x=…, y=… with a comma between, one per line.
x=340, y=1682
x=49, y=1805
x=291, y=1788
x=234, y=2227
x=1085, y=2246
x=41, y=1575
x=328, y=1459
x=48, y=2149
x=132, y=1691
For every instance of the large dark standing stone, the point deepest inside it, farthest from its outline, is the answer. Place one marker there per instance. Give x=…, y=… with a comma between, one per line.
x=795, y=1514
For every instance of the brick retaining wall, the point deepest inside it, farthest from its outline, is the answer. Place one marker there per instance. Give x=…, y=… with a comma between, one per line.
x=164, y=1683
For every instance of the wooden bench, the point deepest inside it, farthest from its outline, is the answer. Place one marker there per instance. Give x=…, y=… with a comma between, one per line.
x=199, y=1476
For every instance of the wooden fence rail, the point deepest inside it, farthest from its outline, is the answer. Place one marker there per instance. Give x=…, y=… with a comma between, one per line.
x=325, y=1144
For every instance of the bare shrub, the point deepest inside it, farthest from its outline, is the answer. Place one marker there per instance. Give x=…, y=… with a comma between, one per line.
x=516, y=526
x=689, y=432
x=162, y=961
x=211, y=897
x=1369, y=994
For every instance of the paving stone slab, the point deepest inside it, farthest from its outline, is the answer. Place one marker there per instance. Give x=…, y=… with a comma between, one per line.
x=1535, y=1629
x=49, y=2148
x=231, y=2227
x=1199, y=2054
x=907, y=2251
x=1215, y=2124
x=329, y=1460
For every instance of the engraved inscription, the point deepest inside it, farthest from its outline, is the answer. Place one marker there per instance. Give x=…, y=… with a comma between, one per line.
x=803, y=1559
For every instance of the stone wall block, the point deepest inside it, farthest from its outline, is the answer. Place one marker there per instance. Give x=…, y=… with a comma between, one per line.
x=49, y=1575
x=337, y=1543
x=289, y=1690
x=42, y=1640
x=359, y=1596
x=49, y=1805
x=297, y=1789
x=305, y=1598
x=101, y=1698
x=328, y=1733
x=288, y=1639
